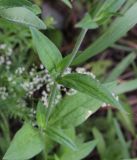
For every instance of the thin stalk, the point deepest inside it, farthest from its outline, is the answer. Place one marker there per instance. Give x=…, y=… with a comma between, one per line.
x=54, y=89
x=75, y=50
x=51, y=101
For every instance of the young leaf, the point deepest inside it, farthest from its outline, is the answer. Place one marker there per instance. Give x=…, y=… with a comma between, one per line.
x=67, y=2
x=86, y=84
x=121, y=67
x=83, y=150
x=49, y=54
x=25, y=145
x=59, y=136
x=117, y=30
x=23, y=16
x=19, y=3
x=87, y=23
x=41, y=115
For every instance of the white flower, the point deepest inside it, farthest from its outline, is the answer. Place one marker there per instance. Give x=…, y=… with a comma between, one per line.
x=2, y=60
x=41, y=66
x=3, y=93
x=67, y=71
x=3, y=46
x=45, y=98
x=20, y=70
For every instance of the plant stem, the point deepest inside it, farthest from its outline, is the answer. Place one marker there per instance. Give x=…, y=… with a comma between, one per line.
x=75, y=50
x=70, y=60
x=51, y=101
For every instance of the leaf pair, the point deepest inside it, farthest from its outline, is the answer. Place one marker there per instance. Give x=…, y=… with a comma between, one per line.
x=51, y=58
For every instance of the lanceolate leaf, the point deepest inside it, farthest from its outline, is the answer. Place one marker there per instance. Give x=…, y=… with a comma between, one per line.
x=117, y=30
x=49, y=54
x=19, y=3
x=23, y=16
x=83, y=151
x=86, y=84
x=25, y=145
x=73, y=110
x=59, y=136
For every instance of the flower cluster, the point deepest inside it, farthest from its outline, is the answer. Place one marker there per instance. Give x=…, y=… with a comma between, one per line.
x=3, y=93
x=6, y=58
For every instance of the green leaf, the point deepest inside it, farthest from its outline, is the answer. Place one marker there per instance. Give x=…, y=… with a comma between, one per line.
x=56, y=157
x=59, y=136
x=109, y=7
x=67, y=2
x=87, y=23
x=131, y=159
x=49, y=54
x=41, y=115
x=121, y=67
x=101, y=146
x=83, y=150
x=74, y=110
x=127, y=120
x=86, y=84
x=19, y=3
x=117, y=30
x=121, y=139
x=124, y=87
x=23, y=16
x=25, y=145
